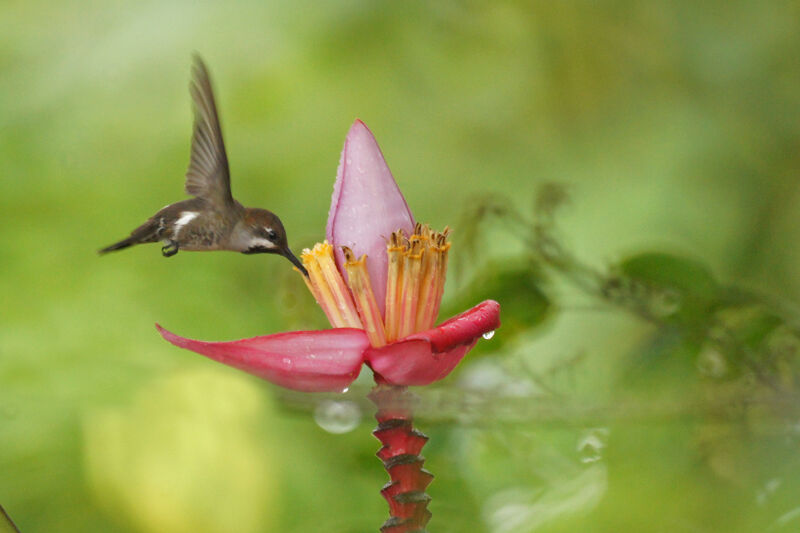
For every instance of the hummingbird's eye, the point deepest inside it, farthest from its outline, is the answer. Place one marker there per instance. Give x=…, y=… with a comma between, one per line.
x=271, y=234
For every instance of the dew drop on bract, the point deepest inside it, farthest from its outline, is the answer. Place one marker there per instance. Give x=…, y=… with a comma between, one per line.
x=337, y=416
x=591, y=444
x=488, y=335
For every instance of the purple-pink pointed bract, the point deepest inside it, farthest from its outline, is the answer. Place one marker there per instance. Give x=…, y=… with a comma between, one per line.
x=311, y=361
x=366, y=207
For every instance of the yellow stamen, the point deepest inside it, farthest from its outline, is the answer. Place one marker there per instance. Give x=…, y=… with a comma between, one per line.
x=361, y=287
x=322, y=293
x=417, y=266
x=443, y=249
x=328, y=287
x=410, y=299
x=428, y=287
x=394, y=284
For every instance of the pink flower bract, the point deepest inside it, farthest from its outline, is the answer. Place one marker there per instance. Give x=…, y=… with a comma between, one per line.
x=367, y=206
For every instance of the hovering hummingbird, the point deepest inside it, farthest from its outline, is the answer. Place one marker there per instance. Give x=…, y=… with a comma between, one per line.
x=212, y=220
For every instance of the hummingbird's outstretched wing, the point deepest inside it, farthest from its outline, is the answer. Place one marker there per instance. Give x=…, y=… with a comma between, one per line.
x=208, y=176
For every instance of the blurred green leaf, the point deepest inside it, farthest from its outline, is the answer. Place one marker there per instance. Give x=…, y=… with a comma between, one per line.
x=748, y=326
x=188, y=454
x=516, y=285
x=754, y=337
x=668, y=287
x=666, y=361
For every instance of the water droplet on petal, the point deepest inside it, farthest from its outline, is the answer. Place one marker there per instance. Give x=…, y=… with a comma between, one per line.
x=488, y=335
x=337, y=416
x=345, y=389
x=591, y=444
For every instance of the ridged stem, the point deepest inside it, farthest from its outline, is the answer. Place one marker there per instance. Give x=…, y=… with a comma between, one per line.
x=405, y=491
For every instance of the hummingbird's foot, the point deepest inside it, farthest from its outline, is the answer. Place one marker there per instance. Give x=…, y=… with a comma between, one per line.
x=169, y=249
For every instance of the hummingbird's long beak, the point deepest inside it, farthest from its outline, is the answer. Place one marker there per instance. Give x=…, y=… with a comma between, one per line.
x=287, y=253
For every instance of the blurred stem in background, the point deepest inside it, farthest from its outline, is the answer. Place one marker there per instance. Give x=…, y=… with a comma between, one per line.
x=6, y=525
x=754, y=335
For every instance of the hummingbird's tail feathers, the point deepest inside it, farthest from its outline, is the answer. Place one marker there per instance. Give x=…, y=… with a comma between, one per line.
x=150, y=231
x=125, y=243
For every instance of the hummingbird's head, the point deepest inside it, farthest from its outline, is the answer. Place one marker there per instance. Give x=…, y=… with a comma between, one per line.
x=261, y=232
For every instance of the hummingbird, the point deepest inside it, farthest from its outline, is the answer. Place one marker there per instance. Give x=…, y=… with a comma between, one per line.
x=212, y=219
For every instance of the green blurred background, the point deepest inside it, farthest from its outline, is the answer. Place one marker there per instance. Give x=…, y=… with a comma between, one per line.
x=674, y=127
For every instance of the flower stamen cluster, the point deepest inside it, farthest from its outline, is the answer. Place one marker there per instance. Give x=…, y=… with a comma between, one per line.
x=415, y=284
x=417, y=267
x=329, y=289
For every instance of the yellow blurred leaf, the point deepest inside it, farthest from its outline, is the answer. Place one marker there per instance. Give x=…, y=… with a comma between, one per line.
x=185, y=456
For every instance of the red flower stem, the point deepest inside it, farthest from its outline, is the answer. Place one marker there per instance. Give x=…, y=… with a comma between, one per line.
x=405, y=491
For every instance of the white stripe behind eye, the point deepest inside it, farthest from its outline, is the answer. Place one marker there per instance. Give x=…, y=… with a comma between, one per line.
x=186, y=217
x=258, y=241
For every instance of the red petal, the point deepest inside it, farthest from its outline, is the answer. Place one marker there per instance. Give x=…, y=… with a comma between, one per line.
x=311, y=361
x=463, y=328
x=366, y=207
x=413, y=362
x=423, y=358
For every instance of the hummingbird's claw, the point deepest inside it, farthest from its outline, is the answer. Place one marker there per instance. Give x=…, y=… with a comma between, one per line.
x=169, y=249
